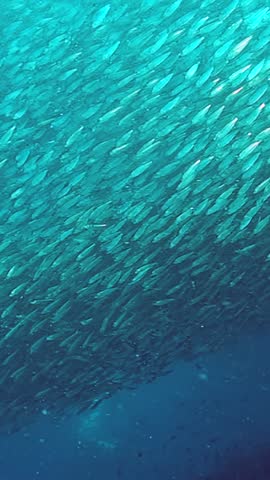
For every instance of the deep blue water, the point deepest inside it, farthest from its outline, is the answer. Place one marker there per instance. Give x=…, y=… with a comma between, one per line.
x=208, y=419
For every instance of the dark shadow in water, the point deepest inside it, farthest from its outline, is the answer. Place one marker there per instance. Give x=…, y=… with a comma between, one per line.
x=240, y=464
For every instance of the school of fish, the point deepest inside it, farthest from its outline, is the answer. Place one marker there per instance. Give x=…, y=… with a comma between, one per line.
x=135, y=185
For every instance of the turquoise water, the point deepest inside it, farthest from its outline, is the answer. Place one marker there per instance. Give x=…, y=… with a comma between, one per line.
x=135, y=189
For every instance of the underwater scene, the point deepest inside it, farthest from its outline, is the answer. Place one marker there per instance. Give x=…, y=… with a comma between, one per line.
x=134, y=239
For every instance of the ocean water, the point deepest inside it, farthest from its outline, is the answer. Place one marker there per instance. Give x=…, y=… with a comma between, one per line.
x=206, y=420
x=134, y=239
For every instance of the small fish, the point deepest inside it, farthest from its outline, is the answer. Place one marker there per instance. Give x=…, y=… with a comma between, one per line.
x=134, y=182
